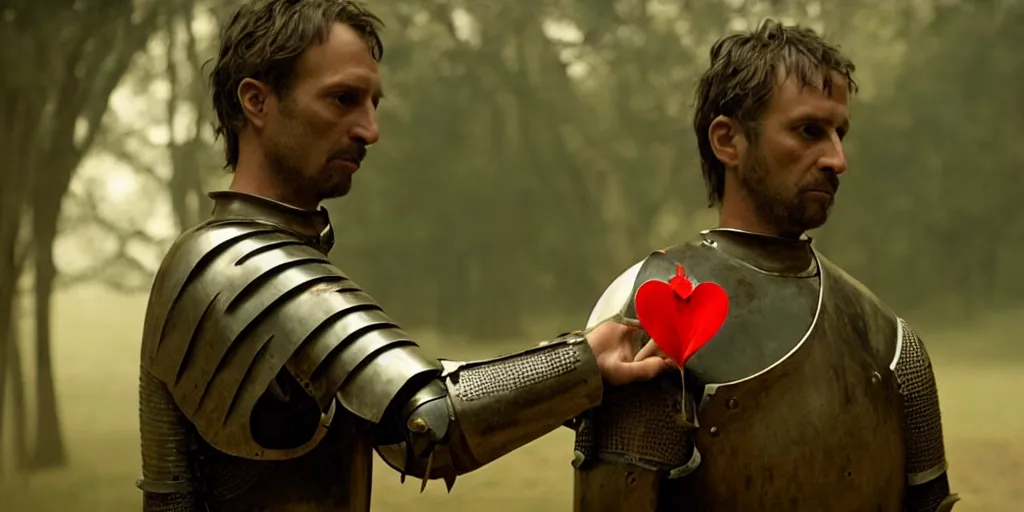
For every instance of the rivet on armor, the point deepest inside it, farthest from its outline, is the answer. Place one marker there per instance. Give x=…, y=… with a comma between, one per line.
x=630, y=478
x=733, y=403
x=714, y=432
x=875, y=378
x=418, y=425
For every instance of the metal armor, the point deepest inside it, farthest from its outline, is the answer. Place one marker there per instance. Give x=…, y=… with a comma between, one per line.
x=813, y=396
x=268, y=377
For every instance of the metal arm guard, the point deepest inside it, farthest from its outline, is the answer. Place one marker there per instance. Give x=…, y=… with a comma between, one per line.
x=480, y=411
x=235, y=304
x=927, y=482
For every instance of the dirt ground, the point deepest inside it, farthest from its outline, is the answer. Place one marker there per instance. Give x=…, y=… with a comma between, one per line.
x=97, y=357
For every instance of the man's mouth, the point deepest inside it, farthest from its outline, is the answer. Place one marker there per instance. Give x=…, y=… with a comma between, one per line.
x=351, y=158
x=824, y=188
x=351, y=162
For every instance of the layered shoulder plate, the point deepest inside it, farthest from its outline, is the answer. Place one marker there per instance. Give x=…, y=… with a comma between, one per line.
x=237, y=302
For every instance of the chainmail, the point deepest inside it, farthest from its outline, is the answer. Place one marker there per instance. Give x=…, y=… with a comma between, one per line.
x=226, y=477
x=928, y=496
x=165, y=433
x=165, y=449
x=515, y=373
x=925, y=451
x=172, y=458
x=174, y=502
x=640, y=424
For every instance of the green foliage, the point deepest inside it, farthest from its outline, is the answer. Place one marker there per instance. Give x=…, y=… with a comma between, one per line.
x=521, y=168
x=944, y=161
x=533, y=150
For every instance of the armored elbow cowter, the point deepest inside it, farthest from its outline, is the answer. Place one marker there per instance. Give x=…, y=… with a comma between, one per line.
x=482, y=410
x=237, y=306
x=927, y=483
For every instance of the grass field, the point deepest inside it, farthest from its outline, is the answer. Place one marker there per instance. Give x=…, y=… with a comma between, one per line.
x=97, y=357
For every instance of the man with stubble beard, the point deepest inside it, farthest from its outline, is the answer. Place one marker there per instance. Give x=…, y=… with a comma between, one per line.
x=814, y=395
x=268, y=377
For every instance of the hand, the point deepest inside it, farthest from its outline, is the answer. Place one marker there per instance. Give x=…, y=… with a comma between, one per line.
x=651, y=349
x=618, y=360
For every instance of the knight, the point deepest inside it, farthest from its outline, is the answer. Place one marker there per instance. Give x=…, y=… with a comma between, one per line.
x=268, y=376
x=814, y=395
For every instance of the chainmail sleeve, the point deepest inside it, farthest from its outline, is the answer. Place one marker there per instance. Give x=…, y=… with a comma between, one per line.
x=167, y=482
x=928, y=486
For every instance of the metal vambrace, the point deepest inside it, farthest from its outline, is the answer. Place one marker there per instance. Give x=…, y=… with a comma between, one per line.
x=479, y=411
x=927, y=482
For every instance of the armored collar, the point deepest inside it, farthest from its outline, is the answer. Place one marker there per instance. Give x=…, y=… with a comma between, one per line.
x=769, y=254
x=313, y=226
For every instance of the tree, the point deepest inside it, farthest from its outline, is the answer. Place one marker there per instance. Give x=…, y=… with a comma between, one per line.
x=558, y=135
x=945, y=158
x=65, y=58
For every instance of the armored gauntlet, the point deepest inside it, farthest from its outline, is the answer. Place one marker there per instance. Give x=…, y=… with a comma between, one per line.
x=479, y=411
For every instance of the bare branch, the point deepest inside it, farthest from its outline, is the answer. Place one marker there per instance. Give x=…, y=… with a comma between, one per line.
x=172, y=77
x=121, y=271
x=119, y=152
x=90, y=210
x=197, y=87
x=129, y=38
x=113, y=273
x=22, y=255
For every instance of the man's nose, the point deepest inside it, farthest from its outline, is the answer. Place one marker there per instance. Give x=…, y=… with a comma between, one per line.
x=835, y=158
x=366, y=130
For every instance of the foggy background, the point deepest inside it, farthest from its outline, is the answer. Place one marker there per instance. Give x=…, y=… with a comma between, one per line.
x=530, y=151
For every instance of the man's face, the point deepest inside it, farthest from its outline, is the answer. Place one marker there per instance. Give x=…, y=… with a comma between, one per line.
x=317, y=131
x=790, y=170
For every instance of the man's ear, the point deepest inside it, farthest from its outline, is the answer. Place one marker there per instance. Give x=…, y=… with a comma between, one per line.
x=253, y=96
x=728, y=141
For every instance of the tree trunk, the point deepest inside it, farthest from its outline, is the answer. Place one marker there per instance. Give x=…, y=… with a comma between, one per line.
x=49, y=446
x=78, y=99
x=8, y=291
x=5, y=341
x=17, y=386
x=11, y=363
x=20, y=114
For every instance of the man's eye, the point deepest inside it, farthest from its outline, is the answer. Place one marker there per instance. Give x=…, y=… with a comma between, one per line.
x=347, y=98
x=812, y=131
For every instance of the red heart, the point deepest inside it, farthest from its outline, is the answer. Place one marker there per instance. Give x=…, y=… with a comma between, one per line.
x=680, y=317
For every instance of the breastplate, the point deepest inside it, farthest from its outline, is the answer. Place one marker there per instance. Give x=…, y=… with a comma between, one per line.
x=797, y=403
x=819, y=430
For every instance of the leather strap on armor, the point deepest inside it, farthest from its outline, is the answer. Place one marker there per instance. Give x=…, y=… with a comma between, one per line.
x=482, y=410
